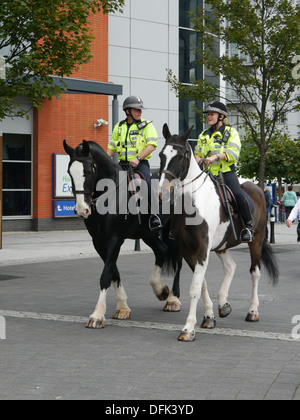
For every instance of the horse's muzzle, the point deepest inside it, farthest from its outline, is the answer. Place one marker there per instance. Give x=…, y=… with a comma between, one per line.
x=83, y=214
x=165, y=190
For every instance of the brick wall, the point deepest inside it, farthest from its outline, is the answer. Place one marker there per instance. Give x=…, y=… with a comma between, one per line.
x=71, y=117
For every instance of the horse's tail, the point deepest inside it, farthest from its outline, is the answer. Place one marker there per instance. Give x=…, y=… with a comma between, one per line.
x=269, y=261
x=173, y=258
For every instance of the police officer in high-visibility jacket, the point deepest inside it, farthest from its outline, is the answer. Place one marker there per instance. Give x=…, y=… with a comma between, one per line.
x=220, y=147
x=134, y=139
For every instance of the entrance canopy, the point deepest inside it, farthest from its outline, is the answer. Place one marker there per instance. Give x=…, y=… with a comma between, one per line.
x=83, y=86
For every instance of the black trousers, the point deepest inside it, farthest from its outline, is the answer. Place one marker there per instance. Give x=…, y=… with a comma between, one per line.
x=144, y=168
x=231, y=180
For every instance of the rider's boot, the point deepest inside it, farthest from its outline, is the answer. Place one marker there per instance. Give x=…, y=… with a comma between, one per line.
x=247, y=232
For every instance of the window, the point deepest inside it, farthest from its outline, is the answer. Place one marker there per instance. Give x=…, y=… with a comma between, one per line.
x=189, y=70
x=17, y=179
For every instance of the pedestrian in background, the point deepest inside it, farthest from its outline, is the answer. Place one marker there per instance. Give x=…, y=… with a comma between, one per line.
x=294, y=214
x=289, y=200
x=268, y=199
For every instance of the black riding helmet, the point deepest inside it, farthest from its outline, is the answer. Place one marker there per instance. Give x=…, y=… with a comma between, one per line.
x=133, y=102
x=217, y=107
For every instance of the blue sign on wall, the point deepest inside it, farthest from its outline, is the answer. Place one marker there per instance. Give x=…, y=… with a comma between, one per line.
x=64, y=208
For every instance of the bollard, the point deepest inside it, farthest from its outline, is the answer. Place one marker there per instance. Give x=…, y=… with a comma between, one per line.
x=137, y=246
x=272, y=224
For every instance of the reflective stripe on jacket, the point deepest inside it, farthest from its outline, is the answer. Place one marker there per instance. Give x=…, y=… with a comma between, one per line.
x=128, y=141
x=210, y=143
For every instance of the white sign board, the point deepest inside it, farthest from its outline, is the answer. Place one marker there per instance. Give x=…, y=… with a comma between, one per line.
x=62, y=186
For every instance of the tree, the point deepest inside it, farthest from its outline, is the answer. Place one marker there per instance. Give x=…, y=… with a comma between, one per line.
x=39, y=39
x=282, y=160
x=262, y=39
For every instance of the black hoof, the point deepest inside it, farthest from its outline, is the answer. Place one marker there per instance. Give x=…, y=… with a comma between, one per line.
x=187, y=336
x=225, y=310
x=252, y=317
x=208, y=323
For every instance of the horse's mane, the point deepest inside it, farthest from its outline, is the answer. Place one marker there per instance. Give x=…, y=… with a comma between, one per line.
x=100, y=155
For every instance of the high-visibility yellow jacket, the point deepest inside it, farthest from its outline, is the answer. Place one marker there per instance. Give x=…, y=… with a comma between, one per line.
x=130, y=140
x=212, y=143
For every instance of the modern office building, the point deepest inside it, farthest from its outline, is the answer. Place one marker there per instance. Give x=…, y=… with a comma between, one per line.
x=131, y=54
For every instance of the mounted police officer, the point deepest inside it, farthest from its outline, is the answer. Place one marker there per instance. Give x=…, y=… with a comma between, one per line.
x=134, y=139
x=220, y=147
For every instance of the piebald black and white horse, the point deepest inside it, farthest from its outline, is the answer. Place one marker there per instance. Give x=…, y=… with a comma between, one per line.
x=203, y=226
x=88, y=165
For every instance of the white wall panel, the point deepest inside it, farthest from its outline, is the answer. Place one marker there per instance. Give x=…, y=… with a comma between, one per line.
x=148, y=65
x=154, y=93
x=151, y=29
x=119, y=62
x=119, y=31
x=153, y=11
x=149, y=36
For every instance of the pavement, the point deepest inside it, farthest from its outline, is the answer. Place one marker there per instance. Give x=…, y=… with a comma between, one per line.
x=29, y=247
x=49, y=285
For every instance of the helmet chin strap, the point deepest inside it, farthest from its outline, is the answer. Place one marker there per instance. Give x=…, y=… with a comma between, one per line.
x=219, y=119
x=133, y=119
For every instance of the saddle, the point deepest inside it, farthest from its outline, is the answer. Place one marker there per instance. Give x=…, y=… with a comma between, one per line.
x=230, y=197
x=138, y=176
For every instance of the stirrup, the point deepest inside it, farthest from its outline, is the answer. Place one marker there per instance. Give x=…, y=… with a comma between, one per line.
x=155, y=224
x=246, y=231
x=171, y=236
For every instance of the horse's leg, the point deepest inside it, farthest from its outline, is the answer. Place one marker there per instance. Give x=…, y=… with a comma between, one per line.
x=97, y=318
x=123, y=311
x=255, y=251
x=188, y=332
x=109, y=254
x=209, y=320
x=160, y=289
x=173, y=303
x=229, y=267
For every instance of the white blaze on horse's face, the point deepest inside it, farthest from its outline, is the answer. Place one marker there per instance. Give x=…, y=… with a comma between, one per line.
x=164, y=184
x=82, y=209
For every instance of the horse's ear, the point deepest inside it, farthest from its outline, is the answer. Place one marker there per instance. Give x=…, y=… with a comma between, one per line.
x=85, y=148
x=186, y=136
x=68, y=149
x=166, y=131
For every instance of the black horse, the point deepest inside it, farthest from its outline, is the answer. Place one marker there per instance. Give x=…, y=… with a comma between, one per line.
x=100, y=184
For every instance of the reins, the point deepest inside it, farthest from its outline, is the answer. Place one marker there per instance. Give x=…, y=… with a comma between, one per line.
x=179, y=177
x=92, y=192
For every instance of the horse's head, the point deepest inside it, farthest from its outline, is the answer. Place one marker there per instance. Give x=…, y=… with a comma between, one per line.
x=82, y=172
x=174, y=160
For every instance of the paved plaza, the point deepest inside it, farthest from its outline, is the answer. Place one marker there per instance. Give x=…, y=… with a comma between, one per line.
x=49, y=285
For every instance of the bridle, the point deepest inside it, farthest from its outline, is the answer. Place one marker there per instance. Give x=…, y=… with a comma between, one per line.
x=94, y=167
x=184, y=171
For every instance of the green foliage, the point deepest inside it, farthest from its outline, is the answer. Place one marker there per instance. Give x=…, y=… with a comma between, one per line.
x=282, y=159
x=41, y=38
